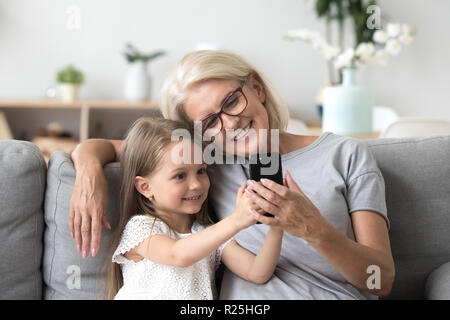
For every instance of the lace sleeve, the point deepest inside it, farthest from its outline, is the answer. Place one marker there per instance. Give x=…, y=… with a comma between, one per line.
x=219, y=252
x=138, y=229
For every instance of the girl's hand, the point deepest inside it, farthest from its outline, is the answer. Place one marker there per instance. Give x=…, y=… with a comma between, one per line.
x=242, y=214
x=88, y=209
x=292, y=209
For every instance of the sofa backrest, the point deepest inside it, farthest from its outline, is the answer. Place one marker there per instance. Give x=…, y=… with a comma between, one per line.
x=66, y=275
x=417, y=177
x=22, y=187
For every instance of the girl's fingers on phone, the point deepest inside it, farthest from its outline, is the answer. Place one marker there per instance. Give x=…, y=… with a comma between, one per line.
x=242, y=189
x=253, y=206
x=264, y=204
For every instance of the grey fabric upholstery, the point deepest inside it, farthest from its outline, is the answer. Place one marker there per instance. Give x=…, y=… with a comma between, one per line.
x=416, y=172
x=417, y=177
x=22, y=187
x=437, y=286
x=63, y=266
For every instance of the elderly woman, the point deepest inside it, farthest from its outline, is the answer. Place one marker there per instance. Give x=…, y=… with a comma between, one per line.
x=332, y=204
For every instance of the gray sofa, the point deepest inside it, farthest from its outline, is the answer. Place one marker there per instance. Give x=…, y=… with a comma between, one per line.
x=39, y=259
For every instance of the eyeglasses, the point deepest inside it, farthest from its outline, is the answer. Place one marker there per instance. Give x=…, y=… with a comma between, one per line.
x=233, y=105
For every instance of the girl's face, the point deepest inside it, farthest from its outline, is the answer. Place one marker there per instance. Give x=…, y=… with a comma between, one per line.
x=176, y=188
x=205, y=98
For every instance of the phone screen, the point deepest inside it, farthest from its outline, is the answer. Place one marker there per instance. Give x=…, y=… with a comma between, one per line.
x=267, y=166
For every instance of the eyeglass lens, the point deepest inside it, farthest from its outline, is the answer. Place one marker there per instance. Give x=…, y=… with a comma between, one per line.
x=234, y=105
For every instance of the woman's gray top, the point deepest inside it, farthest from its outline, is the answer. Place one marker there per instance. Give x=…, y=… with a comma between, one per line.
x=340, y=176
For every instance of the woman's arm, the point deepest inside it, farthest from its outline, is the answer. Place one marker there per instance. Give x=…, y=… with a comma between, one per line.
x=355, y=260
x=259, y=268
x=297, y=215
x=89, y=196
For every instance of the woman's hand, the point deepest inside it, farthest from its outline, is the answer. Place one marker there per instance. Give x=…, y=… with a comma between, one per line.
x=88, y=209
x=241, y=214
x=292, y=209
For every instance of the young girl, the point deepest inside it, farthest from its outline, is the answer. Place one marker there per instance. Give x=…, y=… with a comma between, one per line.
x=166, y=246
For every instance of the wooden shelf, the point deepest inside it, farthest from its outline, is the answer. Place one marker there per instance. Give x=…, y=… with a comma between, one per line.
x=83, y=105
x=93, y=104
x=48, y=145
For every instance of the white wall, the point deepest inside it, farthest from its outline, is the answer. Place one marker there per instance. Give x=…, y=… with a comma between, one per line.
x=35, y=42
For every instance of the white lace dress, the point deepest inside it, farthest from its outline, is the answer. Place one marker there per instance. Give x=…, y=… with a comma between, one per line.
x=147, y=280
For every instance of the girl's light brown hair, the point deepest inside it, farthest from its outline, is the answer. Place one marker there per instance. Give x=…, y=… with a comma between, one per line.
x=143, y=149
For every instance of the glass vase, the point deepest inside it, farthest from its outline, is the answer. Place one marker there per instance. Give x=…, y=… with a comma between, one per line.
x=347, y=107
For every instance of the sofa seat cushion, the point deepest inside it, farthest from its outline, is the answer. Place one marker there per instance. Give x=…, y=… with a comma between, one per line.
x=22, y=187
x=437, y=286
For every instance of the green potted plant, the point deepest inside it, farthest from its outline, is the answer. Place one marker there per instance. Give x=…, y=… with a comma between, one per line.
x=137, y=79
x=69, y=80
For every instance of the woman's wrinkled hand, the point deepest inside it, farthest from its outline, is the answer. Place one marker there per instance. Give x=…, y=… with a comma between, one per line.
x=293, y=211
x=88, y=209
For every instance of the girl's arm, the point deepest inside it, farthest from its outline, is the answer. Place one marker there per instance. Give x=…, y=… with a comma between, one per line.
x=189, y=250
x=89, y=196
x=259, y=268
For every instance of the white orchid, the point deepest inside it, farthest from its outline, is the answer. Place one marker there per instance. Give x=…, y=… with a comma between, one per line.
x=393, y=47
x=330, y=52
x=386, y=43
x=406, y=39
x=365, y=51
x=316, y=40
x=393, y=29
x=380, y=36
x=381, y=57
x=344, y=60
x=407, y=30
x=406, y=36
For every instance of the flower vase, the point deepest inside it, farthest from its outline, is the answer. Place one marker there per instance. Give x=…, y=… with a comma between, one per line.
x=137, y=82
x=347, y=108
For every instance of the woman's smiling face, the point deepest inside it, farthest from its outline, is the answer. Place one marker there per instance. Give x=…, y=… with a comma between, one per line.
x=205, y=98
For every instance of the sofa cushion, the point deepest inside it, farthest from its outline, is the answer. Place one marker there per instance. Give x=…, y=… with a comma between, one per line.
x=417, y=177
x=66, y=274
x=437, y=286
x=22, y=186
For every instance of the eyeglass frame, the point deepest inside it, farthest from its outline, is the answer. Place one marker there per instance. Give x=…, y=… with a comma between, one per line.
x=238, y=89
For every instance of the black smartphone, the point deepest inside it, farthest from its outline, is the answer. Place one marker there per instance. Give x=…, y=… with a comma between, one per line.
x=266, y=166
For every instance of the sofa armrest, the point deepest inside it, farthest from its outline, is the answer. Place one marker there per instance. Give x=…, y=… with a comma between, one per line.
x=22, y=187
x=437, y=285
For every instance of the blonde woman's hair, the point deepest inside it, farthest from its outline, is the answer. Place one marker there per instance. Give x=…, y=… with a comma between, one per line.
x=205, y=65
x=146, y=144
